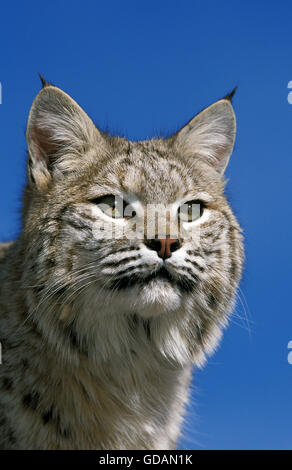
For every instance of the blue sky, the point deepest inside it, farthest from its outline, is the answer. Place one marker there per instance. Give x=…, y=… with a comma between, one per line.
x=142, y=68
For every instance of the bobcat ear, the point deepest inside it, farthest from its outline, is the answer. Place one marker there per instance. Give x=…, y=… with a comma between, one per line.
x=210, y=134
x=58, y=133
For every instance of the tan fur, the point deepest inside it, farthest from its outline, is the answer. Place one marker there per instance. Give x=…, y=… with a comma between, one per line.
x=90, y=363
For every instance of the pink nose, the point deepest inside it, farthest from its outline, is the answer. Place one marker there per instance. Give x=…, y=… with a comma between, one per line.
x=163, y=246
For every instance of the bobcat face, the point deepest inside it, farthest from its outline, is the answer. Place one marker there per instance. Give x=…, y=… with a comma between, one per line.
x=146, y=268
x=142, y=227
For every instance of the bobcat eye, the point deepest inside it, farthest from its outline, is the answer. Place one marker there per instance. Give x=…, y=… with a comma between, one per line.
x=113, y=206
x=191, y=211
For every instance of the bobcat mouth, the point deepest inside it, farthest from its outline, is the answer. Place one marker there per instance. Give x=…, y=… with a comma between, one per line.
x=132, y=280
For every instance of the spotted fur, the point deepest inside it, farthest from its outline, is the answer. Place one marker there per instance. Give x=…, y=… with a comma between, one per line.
x=99, y=335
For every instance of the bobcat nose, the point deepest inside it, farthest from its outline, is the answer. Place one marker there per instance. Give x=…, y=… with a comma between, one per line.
x=163, y=246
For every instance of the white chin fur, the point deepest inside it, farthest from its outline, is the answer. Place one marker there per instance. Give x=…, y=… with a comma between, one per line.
x=156, y=298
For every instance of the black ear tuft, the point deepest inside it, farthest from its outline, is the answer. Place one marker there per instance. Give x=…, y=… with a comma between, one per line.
x=230, y=95
x=44, y=81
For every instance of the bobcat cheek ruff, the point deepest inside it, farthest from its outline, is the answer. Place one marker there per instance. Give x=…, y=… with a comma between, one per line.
x=103, y=310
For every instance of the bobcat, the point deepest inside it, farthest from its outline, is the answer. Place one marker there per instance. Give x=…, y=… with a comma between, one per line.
x=101, y=322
